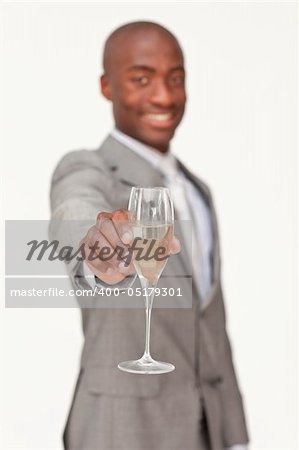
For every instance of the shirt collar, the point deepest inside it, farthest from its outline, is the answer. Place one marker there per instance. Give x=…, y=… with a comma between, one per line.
x=166, y=163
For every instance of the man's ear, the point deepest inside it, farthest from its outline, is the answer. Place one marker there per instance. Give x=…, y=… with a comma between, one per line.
x=105, y=87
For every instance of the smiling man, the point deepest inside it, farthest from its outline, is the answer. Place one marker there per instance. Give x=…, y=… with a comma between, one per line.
x=144, y=78
x=199, y=405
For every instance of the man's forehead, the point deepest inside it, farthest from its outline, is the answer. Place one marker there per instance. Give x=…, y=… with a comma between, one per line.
x=141, y=46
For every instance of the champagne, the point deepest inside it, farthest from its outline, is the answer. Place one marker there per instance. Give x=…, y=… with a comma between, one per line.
x=155, y=243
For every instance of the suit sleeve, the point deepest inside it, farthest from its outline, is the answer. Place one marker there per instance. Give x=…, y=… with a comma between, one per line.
x=76, y=199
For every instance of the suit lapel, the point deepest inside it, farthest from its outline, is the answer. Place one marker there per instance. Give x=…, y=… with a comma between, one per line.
x=128, y=166
x=216, y=250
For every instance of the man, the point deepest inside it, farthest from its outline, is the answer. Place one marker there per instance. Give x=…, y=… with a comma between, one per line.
x=198, y=406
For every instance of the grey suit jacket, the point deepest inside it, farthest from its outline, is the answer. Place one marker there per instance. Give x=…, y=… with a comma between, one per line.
x=116, y=410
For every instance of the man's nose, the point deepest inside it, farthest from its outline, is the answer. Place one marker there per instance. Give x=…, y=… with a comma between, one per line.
x=161, y=94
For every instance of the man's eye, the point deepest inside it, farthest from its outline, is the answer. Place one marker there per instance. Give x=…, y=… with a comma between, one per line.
x=141, y=80
x=177, y=80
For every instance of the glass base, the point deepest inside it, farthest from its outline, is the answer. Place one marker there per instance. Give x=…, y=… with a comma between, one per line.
x=146, y=366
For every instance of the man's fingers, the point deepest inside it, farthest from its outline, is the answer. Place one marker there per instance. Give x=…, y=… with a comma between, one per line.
x=95, y=265
x=108, y=230
x=126, y=270
x=115, y=228
x=101, y=253
x=106, y=254
x=109, y=275
x=121, y=221
x=98, y=247
x=102, y=216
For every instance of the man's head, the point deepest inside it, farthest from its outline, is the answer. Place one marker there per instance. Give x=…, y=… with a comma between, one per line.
x=144, y=79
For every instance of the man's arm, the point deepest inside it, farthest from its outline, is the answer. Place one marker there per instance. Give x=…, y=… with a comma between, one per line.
x=76, y=199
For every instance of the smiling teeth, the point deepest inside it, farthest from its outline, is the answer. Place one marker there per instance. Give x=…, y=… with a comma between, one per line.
x=159, y=117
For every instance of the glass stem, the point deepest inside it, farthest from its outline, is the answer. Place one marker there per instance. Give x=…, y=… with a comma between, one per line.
x=149, y=297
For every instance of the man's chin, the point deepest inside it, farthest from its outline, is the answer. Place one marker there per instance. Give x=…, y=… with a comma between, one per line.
x=158, y=140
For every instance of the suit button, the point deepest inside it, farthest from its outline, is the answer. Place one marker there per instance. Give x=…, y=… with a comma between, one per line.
x=215, y=381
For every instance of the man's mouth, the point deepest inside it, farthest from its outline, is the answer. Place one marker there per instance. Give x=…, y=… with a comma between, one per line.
x=162, y=121
x=159, y=117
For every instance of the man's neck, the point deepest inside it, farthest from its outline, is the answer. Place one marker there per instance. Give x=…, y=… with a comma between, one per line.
x=162, y=150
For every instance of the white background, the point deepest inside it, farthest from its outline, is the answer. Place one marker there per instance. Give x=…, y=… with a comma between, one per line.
x=238, y=135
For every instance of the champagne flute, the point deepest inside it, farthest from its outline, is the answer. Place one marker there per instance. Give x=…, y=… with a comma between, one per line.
x=153, y=224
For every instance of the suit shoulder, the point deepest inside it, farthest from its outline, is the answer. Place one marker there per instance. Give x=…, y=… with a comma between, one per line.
x=84, y=157
x=78, y=160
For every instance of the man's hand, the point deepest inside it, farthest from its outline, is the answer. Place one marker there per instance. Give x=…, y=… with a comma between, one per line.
x=112, y=235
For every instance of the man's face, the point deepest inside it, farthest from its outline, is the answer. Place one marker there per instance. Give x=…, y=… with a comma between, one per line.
x=145, y=83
